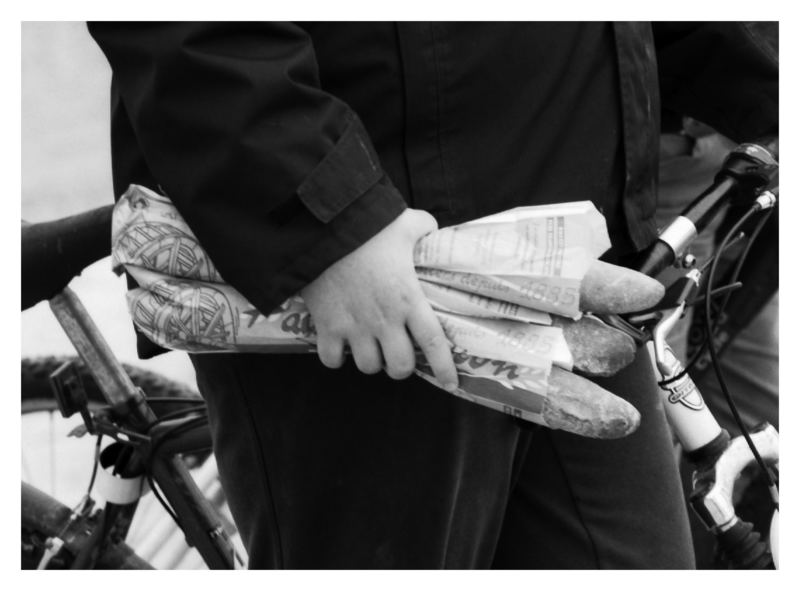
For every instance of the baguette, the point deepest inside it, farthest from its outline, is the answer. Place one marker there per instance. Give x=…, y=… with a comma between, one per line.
x=582, y=407
x=597, y=349
x=609, y=289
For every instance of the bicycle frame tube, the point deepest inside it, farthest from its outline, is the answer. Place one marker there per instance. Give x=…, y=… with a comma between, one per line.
x=114, y=383
x=196, y=517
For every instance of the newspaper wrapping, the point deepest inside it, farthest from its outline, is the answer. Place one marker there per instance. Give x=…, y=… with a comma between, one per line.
x=478, y=277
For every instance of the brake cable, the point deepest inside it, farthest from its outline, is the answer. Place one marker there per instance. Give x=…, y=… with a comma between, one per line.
x=710, y=330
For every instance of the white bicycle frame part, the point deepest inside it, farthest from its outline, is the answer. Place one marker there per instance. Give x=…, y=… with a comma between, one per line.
x=773, y=538
x=736, y=457
x=687, y=413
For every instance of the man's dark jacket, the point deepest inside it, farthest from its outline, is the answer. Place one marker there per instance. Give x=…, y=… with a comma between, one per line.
x=286, y=146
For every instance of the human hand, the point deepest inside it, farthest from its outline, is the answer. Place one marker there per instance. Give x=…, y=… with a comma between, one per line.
x=371, y=301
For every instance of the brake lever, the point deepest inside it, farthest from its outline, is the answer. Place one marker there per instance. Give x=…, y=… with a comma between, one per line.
x=672, y=308
x=694, y=425
x=640, y=326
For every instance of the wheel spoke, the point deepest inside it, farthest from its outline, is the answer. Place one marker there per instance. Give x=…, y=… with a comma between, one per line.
x=52, y=438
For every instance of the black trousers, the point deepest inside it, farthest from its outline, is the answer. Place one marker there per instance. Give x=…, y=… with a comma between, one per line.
x=335, y=469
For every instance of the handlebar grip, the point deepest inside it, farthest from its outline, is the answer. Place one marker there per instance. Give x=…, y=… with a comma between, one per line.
x=743, y=548
x=747, y=168
x=54, y=252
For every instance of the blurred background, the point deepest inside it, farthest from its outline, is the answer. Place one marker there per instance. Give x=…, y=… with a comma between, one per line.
x=66, y=168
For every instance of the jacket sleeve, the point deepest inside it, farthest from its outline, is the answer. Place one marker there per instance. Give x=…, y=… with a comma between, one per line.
x=277, y=178
x=724, y=74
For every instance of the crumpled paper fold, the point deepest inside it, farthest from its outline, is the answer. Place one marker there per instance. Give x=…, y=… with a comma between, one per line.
x=492, y=282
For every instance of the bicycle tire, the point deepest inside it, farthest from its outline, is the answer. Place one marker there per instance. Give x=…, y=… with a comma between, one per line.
x=37, y=393
x=35, y=384
x=43, y=517
x=37, y=397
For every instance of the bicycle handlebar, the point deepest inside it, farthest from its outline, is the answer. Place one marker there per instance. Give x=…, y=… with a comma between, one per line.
x=746, y=170
x=54, y=252
x=111, y=378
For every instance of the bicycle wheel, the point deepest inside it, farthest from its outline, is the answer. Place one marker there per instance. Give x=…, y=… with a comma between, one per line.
x=47, y=451
x=43, y=517
x=61, y=465
x=36, y=386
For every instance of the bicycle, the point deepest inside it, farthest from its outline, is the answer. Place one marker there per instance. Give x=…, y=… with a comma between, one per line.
x=110, y=400
x=748, y=178
x=148, y=446
x=50, y=467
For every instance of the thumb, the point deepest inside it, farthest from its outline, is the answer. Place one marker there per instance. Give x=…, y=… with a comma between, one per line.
x=419, y=223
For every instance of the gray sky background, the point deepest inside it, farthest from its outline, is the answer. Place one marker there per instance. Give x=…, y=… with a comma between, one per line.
x=65, y=124
x=66, y=169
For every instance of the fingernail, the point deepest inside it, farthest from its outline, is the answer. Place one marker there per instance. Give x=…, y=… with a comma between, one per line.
x=451, y=387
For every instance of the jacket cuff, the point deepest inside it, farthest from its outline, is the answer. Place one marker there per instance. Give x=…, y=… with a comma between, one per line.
x=354, y=225
x=348, y=171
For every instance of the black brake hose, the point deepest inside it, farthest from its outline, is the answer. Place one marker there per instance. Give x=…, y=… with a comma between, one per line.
x=745, y=252
x=174, y=432
x=713, y=351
